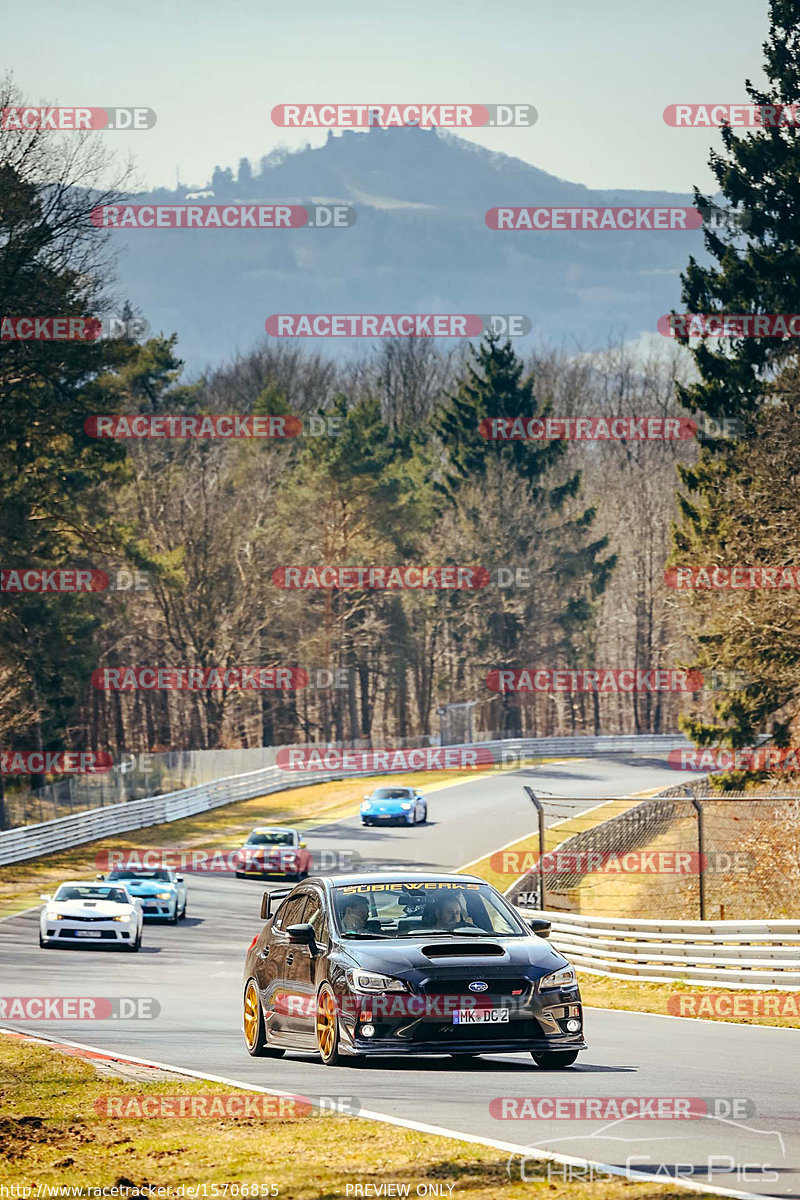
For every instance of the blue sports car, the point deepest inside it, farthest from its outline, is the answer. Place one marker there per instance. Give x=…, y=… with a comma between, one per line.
x=161, y=891
x=388, y=804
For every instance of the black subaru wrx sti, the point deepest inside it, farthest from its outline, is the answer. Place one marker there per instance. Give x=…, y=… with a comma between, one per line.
x=355, y=965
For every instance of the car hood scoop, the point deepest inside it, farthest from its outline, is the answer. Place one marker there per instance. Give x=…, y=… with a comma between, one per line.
x=463, y=950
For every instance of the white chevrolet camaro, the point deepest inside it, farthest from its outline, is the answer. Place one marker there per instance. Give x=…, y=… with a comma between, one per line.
x=100, y=914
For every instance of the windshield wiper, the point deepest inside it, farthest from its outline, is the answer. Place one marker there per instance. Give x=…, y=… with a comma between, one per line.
x=365, y=934
x=427, y=933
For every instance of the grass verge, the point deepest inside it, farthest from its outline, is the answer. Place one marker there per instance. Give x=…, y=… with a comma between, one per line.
x=52, y=1136
x=602, y=991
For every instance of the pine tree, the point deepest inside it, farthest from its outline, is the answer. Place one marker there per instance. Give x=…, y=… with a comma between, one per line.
x=510, y=507
x=757, y=270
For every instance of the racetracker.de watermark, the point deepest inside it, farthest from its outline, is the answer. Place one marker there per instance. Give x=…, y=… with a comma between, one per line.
x=211, y=859
x=408, y=115
x=71, y=579
x=199, y=679
x=411, y=578
x=205, y=1105
x=595, y=679
x=630, y=862
x=592, y=218
x=223, y=216
x=79, y=1008
x=71, y=329
x=423, y=758
x=746, y=758
x=617, y=1108
x=55, y=762
x=360, y=325
x=738, y=116
x=738, y=578
x=23, y=118
x=142, y=425
x=733, y=1004
x=729, y=325
x=587, y=429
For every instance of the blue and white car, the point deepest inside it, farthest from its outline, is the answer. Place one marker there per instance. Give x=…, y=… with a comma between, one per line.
x=391, y=804
x=161, y=891
x=98, y=914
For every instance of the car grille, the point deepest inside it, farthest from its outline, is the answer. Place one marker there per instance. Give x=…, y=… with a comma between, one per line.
x=460, y=987
x=73, y=933
x=88, y=918
x=508, y=1032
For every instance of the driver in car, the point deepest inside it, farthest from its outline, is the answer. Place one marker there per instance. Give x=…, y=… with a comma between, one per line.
x=355, y=914
x=449, y=911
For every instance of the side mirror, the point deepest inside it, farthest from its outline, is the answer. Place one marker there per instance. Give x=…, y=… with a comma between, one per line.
x=265, y=906
x=179, y=878
x=45, y=896
x=99, y=876
x=300, y=935
x=540, y=927
x=366, y=795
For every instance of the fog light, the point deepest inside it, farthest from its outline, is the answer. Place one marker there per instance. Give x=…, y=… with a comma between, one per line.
x=368, y=1031
x=573, y=1026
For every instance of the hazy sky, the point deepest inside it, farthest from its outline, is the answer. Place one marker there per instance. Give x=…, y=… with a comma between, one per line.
x=600, y=73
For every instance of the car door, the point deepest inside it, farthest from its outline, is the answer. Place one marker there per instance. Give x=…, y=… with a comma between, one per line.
x=305, y=967
x=274, y=986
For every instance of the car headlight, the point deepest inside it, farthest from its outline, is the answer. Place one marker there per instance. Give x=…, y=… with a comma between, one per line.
x=366, y=805
x=54, y=916
x=128, y=917
x=563, y=977
x=163, y=895
x=370, y=981
x=407, y=804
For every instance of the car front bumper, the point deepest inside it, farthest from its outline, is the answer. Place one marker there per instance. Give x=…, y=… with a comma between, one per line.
x=95, y=933
x=533, y=1026
x=158, y=909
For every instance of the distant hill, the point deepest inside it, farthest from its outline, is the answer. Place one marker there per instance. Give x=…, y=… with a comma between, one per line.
x=419, y=244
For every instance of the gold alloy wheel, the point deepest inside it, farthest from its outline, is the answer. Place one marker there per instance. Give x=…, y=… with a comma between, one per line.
x=326, y=1023
x=251, y=1015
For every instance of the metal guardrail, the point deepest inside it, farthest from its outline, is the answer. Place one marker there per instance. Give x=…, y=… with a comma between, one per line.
x=739, y=954
x=31, y=841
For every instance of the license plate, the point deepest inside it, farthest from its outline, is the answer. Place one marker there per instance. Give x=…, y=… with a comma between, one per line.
x=480, y=1016
x=88, y=933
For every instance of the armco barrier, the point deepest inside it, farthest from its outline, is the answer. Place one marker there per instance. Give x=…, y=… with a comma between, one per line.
x=738, y=954
x=31, y=841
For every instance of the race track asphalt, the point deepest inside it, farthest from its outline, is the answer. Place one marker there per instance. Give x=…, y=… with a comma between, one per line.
x=194, y=971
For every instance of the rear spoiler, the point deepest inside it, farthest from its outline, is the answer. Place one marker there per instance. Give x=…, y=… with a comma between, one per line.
x=271, y=900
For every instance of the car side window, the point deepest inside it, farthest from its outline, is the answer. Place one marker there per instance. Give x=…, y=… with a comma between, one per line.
x=290, y=912
x=315, y=915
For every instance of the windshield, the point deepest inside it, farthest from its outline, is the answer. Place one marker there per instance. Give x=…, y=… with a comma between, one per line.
x=389, y=793
x=162, y=876
x=407, y=910
x=271, y=837
x=71, y=891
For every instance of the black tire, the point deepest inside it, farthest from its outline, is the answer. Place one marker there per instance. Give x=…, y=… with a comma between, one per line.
x=174, y=920
x=259, y=1047
x=183, y=913
x=554, y=1060
x=424, y=815
x=136, y=945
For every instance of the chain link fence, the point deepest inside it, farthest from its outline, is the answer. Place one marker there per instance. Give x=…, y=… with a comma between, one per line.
x=673, y=856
